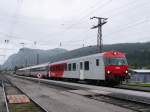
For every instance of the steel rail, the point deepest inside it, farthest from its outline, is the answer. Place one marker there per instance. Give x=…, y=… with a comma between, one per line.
x=5, y=97
x=32, y=99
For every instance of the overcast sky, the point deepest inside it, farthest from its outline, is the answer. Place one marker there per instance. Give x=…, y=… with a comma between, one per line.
x=49, y=22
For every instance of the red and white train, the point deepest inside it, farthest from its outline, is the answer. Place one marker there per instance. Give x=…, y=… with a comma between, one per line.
x=106, y=66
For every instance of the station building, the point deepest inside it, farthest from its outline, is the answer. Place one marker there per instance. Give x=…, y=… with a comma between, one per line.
x=140, y=75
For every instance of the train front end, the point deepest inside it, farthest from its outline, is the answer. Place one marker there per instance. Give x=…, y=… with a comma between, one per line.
x=116, y=67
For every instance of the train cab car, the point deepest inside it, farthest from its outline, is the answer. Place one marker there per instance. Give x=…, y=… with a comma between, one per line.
x=116, y=67
x=108, y=66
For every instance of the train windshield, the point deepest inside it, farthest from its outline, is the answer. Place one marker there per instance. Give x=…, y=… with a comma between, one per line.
x=115, y=61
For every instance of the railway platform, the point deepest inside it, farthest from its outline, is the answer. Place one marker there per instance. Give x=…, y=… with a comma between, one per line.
x=140, y=96
x=63, y=100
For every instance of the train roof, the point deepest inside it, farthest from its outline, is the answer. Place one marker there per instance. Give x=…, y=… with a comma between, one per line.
x=35, y=66
x=106, y=53
x=64, y=61
x=114, y=54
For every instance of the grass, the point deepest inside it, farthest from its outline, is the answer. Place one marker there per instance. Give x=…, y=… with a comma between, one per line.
x=139, y=84
x=26, y=107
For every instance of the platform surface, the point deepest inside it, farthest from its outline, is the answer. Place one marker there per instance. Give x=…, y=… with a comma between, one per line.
x=54, y=100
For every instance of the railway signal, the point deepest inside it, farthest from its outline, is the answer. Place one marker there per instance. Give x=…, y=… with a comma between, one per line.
x=101, y=22
x=39, y=75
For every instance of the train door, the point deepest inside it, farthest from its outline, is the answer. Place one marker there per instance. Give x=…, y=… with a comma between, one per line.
x=81, y=71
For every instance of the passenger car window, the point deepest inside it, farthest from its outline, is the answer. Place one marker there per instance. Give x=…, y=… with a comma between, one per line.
x=65, y=67
x=86, y=65
x=74, y=66
x=81, y=65
x=69, y=67
x=97, y=62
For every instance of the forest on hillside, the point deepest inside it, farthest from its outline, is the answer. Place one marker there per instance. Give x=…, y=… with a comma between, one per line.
x=138, y=55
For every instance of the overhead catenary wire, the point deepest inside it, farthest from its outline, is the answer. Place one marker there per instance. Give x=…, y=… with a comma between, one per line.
x=83, y=17
x=16, y=15
x=19, y=37
x=118, y=8
x=89, y=14
x=63, y=42
x=129, y=26
x=96, y=8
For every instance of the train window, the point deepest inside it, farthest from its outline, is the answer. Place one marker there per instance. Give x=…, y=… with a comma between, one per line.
x=55, y=68
x=65, y=67
x=69, y=67
x=81, y=66
x=38, y=69
x=115, y=61
x=86, y=65
x=51, y=68
x=58, y=67
x=74, y=66
x=97, y=62
x=62, y=67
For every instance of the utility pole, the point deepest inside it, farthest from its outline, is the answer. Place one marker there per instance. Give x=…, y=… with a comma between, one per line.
x=60, y=44
x=25, y=59
x=37, y=59
x=23, y=44
x=37, y=55
x=26, y=62
x=101, y=22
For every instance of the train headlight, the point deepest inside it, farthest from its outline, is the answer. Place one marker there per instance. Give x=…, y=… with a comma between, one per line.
x=126, y=71
x=108, y=72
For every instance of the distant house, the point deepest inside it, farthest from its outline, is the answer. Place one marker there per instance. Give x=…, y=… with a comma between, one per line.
x=140, y=75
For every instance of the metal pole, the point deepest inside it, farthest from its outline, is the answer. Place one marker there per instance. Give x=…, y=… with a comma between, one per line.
x=101, y=22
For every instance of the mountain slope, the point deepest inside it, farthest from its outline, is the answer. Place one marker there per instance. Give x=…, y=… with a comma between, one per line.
x=138, y=54
x=27, y=57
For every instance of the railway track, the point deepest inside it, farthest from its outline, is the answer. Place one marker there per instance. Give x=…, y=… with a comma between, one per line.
x=132, y=88
x=3, y=106
x=11, y=91
x=131, y=103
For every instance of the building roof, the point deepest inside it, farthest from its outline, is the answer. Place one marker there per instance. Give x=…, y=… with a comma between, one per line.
x=141, y=70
